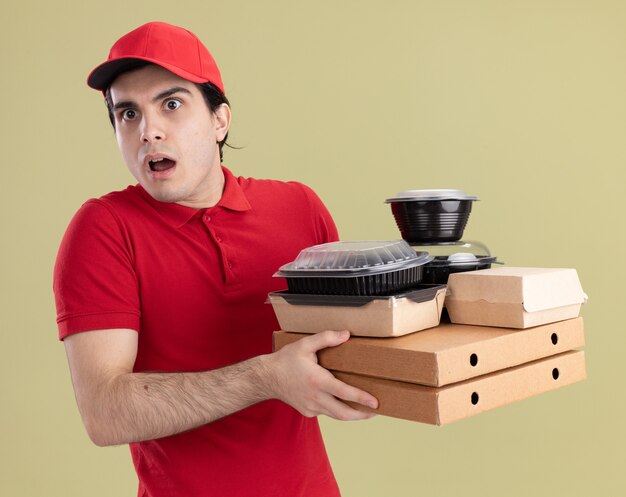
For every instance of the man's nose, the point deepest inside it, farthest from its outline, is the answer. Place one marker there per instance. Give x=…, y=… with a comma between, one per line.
x=152, y=128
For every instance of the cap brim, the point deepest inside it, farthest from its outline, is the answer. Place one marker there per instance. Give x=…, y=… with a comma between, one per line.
x=104, y=74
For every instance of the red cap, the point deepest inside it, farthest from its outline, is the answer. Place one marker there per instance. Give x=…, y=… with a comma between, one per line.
x=173, y=48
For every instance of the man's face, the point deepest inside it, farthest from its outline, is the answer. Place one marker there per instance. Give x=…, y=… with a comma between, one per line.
x=168, y=136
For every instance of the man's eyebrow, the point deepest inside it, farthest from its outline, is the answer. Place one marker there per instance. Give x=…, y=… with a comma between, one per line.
x=171, y=91
x=126, y=104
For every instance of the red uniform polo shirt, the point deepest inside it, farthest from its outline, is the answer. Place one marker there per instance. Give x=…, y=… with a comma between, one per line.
x=193, y=283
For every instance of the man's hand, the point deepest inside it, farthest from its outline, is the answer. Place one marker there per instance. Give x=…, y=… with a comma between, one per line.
x=300, y=382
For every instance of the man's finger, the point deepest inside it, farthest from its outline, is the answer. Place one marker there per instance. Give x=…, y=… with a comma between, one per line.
x=336, y=409
x=324, y=339
x=343, y=391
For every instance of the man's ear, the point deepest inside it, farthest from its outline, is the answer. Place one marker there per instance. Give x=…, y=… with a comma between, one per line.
x=222, y=121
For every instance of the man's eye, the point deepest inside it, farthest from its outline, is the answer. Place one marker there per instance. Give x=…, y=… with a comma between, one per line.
x=129, y=114
x=172, y=104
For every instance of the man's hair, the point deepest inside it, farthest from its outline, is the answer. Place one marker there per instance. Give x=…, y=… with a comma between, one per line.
x=213, y=97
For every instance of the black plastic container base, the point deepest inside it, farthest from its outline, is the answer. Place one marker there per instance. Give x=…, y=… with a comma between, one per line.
x=418, y=293
x=438, y=270
x=375, y=284
x=432, y=221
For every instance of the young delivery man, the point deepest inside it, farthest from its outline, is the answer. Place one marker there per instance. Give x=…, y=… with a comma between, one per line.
x=160, y=292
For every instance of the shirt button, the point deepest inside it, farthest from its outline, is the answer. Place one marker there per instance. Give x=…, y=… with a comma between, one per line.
x=230, y=266
x=218, y=239
x=207, y=218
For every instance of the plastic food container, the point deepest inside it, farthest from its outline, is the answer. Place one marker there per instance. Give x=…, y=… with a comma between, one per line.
x=431, y=216
x=365, y=267
x=455, y=257
x=373, y=316
x=440, y=268
x=450, y=248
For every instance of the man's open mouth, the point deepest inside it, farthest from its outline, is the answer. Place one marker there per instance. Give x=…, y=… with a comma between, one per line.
x=161, y=164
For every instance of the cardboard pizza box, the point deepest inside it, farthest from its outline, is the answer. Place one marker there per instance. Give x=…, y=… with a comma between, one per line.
x=443, y=405
x=447, y=353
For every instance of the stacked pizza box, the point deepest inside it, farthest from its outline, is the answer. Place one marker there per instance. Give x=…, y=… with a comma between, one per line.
x=504, y=344
x=508, y=333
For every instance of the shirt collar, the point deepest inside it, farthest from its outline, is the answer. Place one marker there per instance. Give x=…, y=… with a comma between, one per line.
x=233, y=198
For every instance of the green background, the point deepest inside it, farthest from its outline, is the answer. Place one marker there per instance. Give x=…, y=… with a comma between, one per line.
x=521, y=103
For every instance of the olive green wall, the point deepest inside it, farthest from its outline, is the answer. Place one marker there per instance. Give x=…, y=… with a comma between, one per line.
x=521, y=103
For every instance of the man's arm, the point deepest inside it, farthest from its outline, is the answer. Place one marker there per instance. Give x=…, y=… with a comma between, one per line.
x=119, y=406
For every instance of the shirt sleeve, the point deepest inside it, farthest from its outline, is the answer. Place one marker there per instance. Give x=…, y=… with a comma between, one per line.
x=325, y=228
x=95, y=285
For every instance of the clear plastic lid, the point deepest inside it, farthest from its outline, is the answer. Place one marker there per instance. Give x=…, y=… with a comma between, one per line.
x=351, y=258
x=461, y=260
x=458, y=254
x=434, y=194
x=454, y=248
